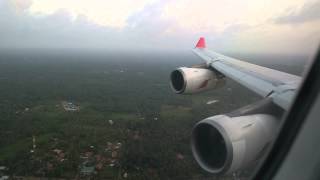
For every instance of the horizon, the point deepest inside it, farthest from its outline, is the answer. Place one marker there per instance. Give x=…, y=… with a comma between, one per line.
x=275, y=27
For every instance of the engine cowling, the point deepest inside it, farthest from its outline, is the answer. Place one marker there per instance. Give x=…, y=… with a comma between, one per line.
x=193, y=80
x=223, y=144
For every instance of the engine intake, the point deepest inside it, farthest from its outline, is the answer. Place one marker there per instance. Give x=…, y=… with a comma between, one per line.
x=193, y=80
x=222, y=144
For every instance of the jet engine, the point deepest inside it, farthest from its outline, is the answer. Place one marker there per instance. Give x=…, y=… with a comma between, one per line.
x=193, y=80
x=222, y=144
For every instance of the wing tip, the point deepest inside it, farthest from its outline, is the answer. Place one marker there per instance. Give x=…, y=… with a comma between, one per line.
x=201, y=43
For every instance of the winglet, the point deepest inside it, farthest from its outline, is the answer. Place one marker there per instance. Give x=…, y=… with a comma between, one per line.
x=201, y=43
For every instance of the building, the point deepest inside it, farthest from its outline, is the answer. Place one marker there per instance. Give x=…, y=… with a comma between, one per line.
x=69, y=106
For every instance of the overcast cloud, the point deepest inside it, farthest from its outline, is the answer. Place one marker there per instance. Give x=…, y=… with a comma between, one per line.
x=308, y=13
x=161, y=25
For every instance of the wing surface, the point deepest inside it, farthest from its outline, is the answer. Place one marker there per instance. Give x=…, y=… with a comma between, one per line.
x=266, y=82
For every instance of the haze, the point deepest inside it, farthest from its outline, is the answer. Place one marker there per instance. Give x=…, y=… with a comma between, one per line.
x=250, y=26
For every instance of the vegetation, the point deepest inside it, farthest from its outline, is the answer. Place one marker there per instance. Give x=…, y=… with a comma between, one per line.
x=149, y=133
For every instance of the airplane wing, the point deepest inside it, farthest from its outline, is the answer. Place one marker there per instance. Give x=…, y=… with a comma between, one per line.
x=280, y=86
x=225, y=143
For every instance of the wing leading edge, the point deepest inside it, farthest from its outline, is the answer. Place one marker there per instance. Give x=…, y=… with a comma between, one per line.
x=266, y=82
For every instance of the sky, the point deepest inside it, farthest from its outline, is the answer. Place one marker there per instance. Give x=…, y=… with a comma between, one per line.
x=246, y=26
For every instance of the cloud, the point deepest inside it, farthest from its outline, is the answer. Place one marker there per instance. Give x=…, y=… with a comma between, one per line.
x=57, y=30
x=105, y=13
x=148, y=24
x=309, y=12
x=157, y=25
x=144, y=30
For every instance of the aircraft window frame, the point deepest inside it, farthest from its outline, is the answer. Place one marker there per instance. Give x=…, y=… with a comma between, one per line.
x=292, y=123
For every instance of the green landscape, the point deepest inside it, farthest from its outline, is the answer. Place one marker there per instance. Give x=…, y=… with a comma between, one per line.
x=126, y=122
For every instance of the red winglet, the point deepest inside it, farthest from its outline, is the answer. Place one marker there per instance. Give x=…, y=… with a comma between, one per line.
x=201, y=43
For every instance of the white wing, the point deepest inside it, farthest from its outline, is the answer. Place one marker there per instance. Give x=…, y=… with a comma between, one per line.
x=280, y=86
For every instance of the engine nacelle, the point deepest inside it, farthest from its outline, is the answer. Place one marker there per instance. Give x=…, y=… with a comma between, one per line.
x=223, y=144
x=193, y=80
